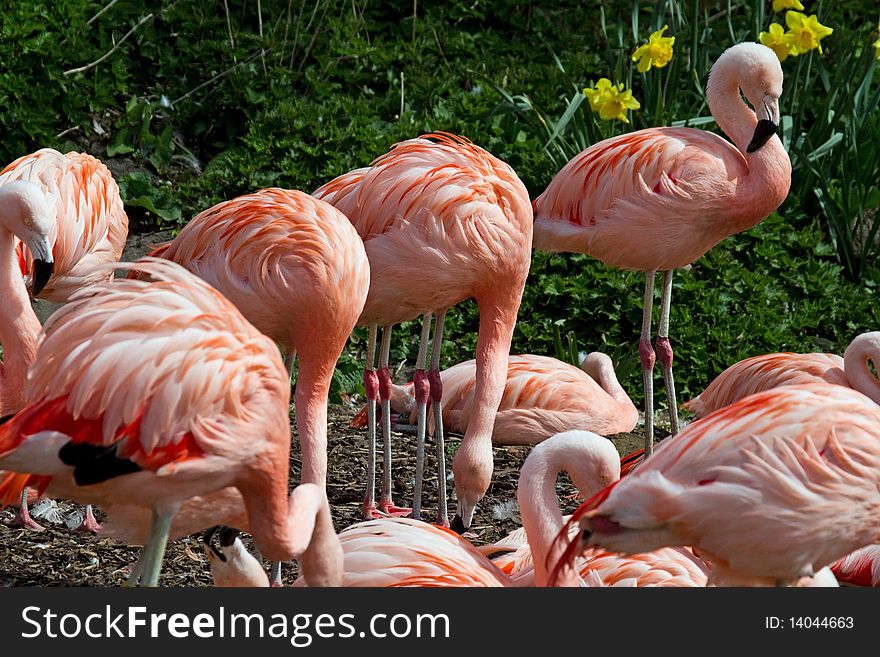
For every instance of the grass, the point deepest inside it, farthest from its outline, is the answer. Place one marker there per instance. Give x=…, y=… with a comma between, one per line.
x=198, y=105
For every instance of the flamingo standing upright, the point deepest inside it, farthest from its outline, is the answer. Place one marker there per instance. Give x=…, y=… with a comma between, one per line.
x=405, y=552
x=768, y=371
x=87, y=228
x=658, y=199
x=296, y=269
x=769, y=489
x=543, y=396
x=442, y=221
x=150, y=393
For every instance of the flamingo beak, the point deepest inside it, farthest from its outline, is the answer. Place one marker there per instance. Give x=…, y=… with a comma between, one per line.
x=208, y=539
x=763, y=131
x=768, y=122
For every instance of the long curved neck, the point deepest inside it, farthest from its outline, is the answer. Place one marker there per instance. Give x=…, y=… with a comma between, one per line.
x=305, y=532
x=857, y=359
x=19, y=327
x=541, y=515
x=766, y=185
x=601, y=370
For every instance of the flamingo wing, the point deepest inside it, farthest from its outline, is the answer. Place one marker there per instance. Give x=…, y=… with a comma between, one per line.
x=141, y=376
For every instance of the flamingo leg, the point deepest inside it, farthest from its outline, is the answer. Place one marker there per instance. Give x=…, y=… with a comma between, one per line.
x=275, y=575
x=386, y=506
x=664, y=351
x=371, y=389
x=137, y=570
x=437, y=407
x=648, y=358
x=89, y=522
x=421, y=389
x=155, y=548
x=22, y=518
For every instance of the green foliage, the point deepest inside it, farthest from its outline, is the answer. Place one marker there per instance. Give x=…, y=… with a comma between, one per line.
x=198, y=105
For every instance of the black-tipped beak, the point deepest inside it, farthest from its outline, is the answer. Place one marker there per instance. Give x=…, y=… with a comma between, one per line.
x=42, y=272
x=208, y=540
x=228, y=536
x=457, y=525
x=763, y=131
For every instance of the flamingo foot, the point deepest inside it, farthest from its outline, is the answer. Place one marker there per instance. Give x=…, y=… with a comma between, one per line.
x=89, y=523
x=23, y=520
x=371, y=512
x=388, y=508
x=442, y=522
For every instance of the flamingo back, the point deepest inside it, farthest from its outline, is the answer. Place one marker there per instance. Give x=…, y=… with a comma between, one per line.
x=764, y=372
x=276, y=254
x=670, y=186
x=401, y=552
x=796, y=466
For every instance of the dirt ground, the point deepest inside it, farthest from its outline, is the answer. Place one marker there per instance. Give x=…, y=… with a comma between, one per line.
x=61, y=557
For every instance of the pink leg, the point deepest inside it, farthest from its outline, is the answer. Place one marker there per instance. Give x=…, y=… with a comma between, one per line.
x=22, y=518
x=437, y=406
x=371, y=390
x=89, y=523
x=647, y=358
x=386, y=505
x=421, y=389
x=664, y=351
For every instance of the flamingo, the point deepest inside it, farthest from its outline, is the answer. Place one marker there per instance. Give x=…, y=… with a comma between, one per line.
x=658, y=199
x=406, y=552
x=769, y=489
x=772, y=370
x=87, y=226
x=296, y=269
x=442, y=221
x=542, y=397
x=152, y=392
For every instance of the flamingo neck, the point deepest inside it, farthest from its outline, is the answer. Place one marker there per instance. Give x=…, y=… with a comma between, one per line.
x=541, y=515
x=766, y=185
x=19, y=327
x=312, y=389
x=857, y=359
x=601, y=370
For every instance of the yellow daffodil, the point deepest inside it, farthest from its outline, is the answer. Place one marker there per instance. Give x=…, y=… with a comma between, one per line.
x=657, y=52
x=806, y=31
x=779, y=41
x=779, y=5
x=611, y=101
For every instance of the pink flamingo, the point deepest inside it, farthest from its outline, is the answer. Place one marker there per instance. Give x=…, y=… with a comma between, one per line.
x=769, y=489
x=150, y=393
x=405, y=552
x=296, y=269
x=772, y=370
x=658, y=199
x=86, y=226
x=542, y=397
x=442, y=221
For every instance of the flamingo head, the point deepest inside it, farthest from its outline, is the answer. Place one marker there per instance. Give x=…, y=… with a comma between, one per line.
x=231, y=563
x=25, y=212
x=472, y=470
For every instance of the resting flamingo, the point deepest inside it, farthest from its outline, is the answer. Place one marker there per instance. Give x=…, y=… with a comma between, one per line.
x=772, y=370
x=658, y=199
x=769, y=489
x=87, y=226
x=405, y=552
x=542, y=397
x=150, y=393
x=296, y=269
x=442, y=221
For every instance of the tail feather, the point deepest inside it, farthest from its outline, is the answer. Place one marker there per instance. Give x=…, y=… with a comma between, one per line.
x=359, y=421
